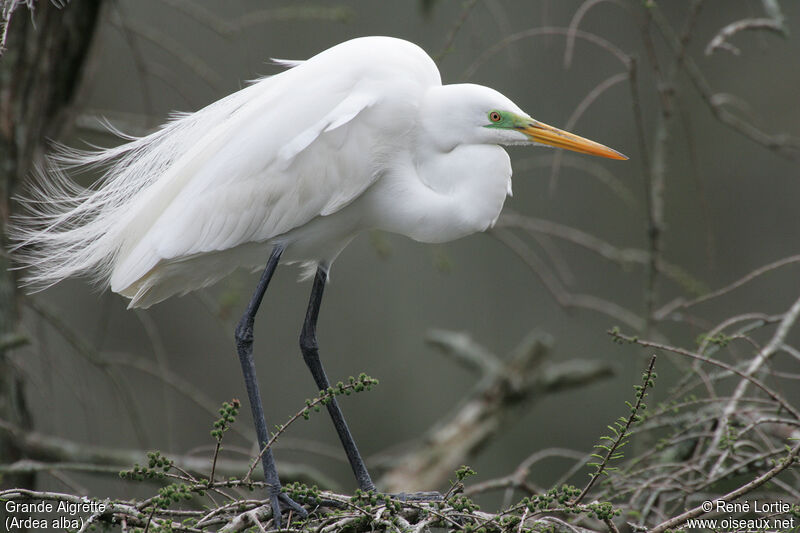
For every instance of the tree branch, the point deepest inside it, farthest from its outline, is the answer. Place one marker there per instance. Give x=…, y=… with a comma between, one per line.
x=520, y=381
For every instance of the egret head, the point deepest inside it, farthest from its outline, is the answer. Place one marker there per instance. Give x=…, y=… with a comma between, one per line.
x=474, y=114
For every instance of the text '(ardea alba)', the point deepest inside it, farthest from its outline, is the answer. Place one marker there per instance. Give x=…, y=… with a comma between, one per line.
x=361, y=136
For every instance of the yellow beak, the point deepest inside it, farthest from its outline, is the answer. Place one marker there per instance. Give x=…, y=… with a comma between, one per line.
x=544, y=134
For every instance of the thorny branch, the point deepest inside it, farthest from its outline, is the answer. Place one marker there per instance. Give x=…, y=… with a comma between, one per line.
x=622, y=433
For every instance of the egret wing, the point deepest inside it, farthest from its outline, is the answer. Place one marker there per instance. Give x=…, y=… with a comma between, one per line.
x=304, y=144
x=243, y=184
x=243, y=170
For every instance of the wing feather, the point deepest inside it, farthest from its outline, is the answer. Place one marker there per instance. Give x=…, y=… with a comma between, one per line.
x=232, y=199
x=246, y=169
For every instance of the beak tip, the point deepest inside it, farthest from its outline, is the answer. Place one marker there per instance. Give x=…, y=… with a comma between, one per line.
x=541, y=133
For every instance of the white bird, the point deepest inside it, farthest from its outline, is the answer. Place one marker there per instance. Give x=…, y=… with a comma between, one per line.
x=291, y=168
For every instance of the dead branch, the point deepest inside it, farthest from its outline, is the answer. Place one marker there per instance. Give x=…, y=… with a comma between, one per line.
x=46, y=452
x=519, y=381
x=782, y=465
x=774, y=23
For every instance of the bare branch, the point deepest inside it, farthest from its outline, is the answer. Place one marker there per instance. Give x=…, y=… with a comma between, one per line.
x=462, y=348
x=767, y=390
x=790, y=317
x=7, y=8
x=782, y=465
x=557, y=290
x=584, y=104
x=55, y=453
x=680, y=303
x=466, y=9
x=538, y=32
x=720, y=40
x=521, y=381
x=783, y=144
x=576, y=21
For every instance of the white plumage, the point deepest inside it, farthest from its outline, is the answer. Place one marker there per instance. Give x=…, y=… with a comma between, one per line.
x=362, y=135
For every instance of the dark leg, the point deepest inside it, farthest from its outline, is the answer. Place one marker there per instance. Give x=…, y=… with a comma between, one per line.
x=310, y=349
x=244, y=345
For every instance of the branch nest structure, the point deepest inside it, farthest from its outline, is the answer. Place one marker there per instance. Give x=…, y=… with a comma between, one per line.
x=328, y=511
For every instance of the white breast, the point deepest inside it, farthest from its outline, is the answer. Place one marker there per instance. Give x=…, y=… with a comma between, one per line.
x=445, y=197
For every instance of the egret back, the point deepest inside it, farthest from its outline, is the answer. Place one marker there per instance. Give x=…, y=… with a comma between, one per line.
x=245, y=170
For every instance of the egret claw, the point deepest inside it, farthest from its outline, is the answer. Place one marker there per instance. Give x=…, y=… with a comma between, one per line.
x=276, y=510
x=296, y=507
x=275, y=501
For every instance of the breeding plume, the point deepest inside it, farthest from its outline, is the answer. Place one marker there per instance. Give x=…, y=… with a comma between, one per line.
x=288, y=170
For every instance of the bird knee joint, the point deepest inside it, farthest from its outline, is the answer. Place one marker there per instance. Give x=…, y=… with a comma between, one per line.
x=244, y=330
x=308, y=344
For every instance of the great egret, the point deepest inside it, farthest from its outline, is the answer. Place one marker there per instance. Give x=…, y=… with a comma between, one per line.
x=363, y=135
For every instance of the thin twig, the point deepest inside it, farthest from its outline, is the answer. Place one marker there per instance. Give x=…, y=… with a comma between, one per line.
x=555, y=287
x=584, y=104
x=733, y=495
x=767, y=390
x=466, y=9
x=575, y=22
x=785, y=145
x=720, y=40
x=756, y=363
x=538, y=32
x=622, y=434
x=323, y=398
x=680, y=303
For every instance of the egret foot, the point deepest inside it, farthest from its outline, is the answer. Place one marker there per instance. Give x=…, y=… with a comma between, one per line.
x=289, y=504
x=261, y=514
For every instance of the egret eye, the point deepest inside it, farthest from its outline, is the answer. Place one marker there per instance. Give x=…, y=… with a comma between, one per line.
x=494, y=116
